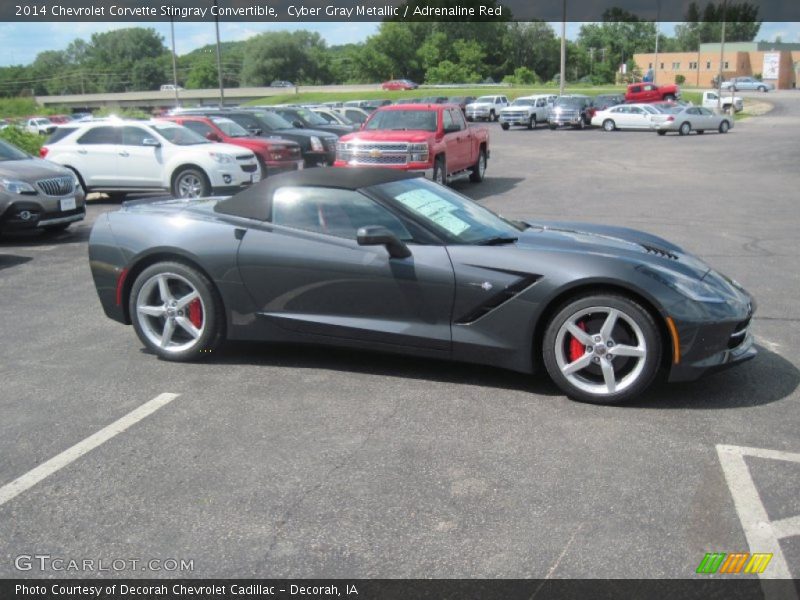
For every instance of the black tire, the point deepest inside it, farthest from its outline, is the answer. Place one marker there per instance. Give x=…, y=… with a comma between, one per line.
x=581, y=124
x=724, y=127
x=190, y=183
x=552, y=127
x=81, y=182
x=211, y=311
x=669, y=98
x=532, y=122
x=661, y=132
x=263, y=167
x=479, y=168
x=609, y=125
x=440, y=170
x=685, y=128
x=632, y=375
x=762, y=89
x=701, y=131
x=505, y=126
x=470, y=119
x=117, y=196
x=492, y=115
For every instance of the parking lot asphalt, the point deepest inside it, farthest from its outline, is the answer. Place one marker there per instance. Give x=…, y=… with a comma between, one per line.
x=278, y=461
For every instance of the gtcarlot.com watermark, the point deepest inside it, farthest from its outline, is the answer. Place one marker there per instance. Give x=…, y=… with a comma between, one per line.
x=60, y=564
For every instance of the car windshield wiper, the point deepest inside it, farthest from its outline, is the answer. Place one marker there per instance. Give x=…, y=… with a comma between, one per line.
x=497, y=241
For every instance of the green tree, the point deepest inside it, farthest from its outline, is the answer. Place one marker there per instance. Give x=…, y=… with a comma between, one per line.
x=741, y=24
x=298, y=56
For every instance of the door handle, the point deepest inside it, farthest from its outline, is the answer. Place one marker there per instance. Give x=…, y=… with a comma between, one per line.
x=124, y=153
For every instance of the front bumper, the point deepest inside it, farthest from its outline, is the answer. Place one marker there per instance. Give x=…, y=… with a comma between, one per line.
x=480, y=113
x=235, y=177
x=559, y=121
x=319, y=159
x=30, y=212
x=514, y=119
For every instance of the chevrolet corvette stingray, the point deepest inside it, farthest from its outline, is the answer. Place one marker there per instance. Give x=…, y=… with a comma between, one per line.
x=379, y=259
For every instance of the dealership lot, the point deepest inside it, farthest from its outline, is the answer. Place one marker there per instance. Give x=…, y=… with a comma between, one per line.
x=290, y=462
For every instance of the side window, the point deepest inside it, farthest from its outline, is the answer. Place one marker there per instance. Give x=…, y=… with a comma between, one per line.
x=100, y=135
x=447, y=120
x=636, y=89
x=541, y=102
x=134, y=136
x=332, y=211
x=458, y=118
x=199, y=127
x=636, y=110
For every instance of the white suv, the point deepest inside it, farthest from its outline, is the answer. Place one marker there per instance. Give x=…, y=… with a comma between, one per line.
x=118, y=157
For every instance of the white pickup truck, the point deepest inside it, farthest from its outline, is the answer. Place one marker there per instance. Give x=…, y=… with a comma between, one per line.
x=710, y=101
x=527, y=111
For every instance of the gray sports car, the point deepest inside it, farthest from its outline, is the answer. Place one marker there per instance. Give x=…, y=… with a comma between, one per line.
x=385, y=260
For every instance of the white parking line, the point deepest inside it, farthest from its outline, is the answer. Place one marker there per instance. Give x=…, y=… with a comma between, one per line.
x=34, y=476
x=762, y=534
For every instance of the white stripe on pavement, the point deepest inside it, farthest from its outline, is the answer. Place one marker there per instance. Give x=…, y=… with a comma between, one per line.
x=760, y=532
x=34, y=476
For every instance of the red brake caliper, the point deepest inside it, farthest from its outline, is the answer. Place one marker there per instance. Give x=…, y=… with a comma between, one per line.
x=576, y=349
x=196, y=313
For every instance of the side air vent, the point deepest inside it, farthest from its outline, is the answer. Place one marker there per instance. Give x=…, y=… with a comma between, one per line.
x=660, y=252
x=525, y=281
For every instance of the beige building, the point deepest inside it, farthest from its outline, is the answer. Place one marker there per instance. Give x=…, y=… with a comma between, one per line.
x=776, y=63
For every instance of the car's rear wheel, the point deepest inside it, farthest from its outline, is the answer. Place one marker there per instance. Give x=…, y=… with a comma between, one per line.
x=190, y=183
x=603, y=349
x=609, y=125
x=479, y=169
x=552, y=126
x=669, y=98
x=685, y=128
x=661, y=132
x=724, y=127
x=505, y=126
x=176, y=311
x=762, y=89
x=440, y=170
x=117, y=196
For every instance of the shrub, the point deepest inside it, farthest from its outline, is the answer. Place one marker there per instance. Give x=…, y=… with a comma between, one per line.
x=680, y=79
x=24, y=140
x=521, y=76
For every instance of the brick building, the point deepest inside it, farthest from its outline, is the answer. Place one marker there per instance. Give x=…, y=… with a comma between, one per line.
x=776, y=63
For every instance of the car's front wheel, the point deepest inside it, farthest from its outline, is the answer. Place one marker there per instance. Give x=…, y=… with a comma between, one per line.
x=176, y=311
x=603, y=349
x=190, y=183
x=685, y=129
x=440, y=170
x=505, y=126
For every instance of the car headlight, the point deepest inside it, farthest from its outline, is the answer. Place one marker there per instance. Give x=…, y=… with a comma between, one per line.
x=692, y=288
x=220, y=157
x=12, y=186
x=316, y=144
x=418, y=152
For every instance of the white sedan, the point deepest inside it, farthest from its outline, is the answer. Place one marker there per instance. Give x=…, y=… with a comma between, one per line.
x=625, y=116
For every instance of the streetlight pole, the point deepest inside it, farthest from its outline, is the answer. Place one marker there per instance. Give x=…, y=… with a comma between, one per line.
x=563, y=48
x=174, y=63
x=655, y=61
x=721, y=56
x=219, y=59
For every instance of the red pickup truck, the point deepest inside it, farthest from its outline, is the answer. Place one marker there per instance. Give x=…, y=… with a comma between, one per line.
x=649, y=92
x=433, y=138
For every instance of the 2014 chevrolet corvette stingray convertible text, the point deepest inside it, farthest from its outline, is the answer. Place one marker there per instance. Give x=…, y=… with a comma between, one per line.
x=379, y=259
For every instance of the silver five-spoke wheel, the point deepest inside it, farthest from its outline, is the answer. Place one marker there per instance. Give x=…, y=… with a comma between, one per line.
x=602, y=348
x=170, y=312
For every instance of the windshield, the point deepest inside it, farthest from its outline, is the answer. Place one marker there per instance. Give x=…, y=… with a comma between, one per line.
x=272, y=120
x=402, y=120
x=452, y=215
x=310, y=117
x=178, y=135
x=230, y=128
x=522, y=102
x=486, y=99
x=9, y=152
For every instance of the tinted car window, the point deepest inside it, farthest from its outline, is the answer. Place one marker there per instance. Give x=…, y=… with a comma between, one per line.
x=331, y=211
x=100, y=135
x=60, y=133
x=134, y=136
x=198, y=127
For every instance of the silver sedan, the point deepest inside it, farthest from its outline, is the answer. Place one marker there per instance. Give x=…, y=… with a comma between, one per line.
x=747, y=83
x=685, y=119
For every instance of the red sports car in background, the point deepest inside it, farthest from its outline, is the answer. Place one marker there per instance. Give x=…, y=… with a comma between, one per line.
x=399, y=84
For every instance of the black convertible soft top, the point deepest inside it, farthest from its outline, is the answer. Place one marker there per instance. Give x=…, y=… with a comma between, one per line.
x=254, y=202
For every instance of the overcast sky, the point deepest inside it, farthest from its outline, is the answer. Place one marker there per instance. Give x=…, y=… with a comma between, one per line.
x=23, y=41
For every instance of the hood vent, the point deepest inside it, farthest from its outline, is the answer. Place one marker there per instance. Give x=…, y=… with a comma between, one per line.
x=660, y=252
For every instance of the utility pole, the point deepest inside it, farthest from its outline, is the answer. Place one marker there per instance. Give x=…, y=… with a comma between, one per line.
x=174, y=63
x=655, y=61
x=721, y=56
x=563, y=48
x=219, y=60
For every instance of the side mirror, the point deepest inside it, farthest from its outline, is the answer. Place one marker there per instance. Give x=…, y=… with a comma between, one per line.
x=254, y=131
x=297, y=124
x=213, y=137
x=380, y=236
x=153, y=143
